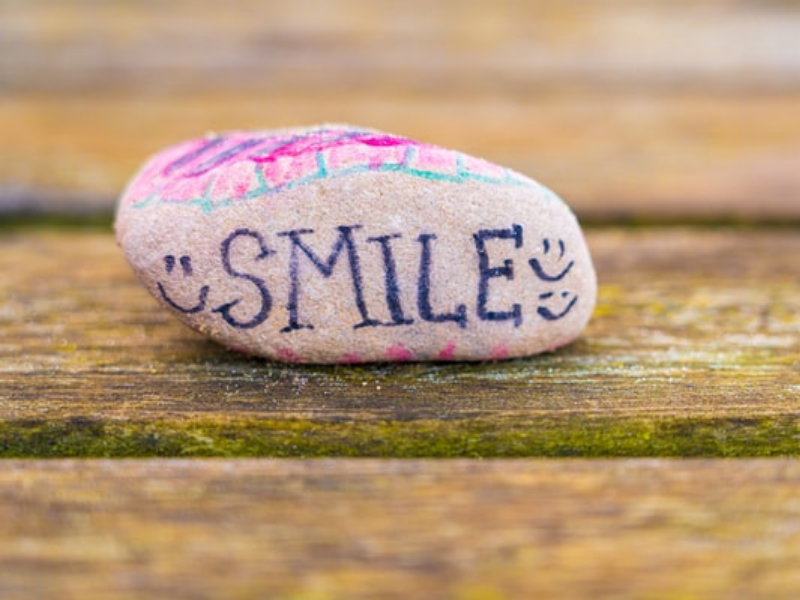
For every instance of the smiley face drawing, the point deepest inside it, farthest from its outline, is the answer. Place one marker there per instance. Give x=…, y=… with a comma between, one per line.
x=555, y=272
x=548, y=314
x=185, y=263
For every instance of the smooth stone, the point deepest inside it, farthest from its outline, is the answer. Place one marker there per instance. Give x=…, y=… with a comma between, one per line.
x=335, y=244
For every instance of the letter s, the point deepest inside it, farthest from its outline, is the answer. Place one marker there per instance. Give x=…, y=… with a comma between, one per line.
x=266, y=299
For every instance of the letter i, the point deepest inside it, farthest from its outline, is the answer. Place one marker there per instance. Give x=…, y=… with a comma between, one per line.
x=392, y=287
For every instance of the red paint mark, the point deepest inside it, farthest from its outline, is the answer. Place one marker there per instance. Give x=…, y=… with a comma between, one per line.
x=288, y=355
x=448, y=352
x=499, y=352
x=399, y=353
x=350, y=358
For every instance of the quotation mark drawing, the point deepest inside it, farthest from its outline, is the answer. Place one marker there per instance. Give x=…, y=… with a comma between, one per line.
x=185, y=263
x=552, y=269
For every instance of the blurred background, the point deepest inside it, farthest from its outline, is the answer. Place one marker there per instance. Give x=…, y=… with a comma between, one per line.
x=630, y=109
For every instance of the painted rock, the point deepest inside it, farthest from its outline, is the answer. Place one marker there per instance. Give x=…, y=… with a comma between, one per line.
x=339, y=244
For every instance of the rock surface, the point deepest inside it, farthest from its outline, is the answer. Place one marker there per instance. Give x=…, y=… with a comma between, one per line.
x=338, y=244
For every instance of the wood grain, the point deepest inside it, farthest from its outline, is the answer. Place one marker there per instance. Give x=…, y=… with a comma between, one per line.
x=653, y=111
x=632, y=110
x=464, y=530
x=466, y=45
x=612, y=156
x=694, y=350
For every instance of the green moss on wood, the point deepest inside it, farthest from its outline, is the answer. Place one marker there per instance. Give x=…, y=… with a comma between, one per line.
x=530, y=437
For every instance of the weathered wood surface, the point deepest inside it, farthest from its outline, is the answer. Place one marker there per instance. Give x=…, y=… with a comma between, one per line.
x=678, y=111
x=694, y=350
x=320, y=45
x=648, y=110
x=462, y=530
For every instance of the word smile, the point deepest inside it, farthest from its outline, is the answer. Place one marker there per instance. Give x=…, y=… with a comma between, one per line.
x=495, y=250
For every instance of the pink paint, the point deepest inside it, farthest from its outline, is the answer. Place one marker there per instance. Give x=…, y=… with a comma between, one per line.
x=240, y=189
x=448, y=352
x=393, y=155
x=399, y=353
x=439, y=160
x=236, y=183
x=264, y=162
x=322, y=140
x=288, y=355
x=499, y=352
x=282, y=172
x=185, y=188
x=383, y=141
x=348, y=157
x=350, y=358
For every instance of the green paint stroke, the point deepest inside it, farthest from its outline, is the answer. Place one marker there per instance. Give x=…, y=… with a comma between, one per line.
x=568, y=436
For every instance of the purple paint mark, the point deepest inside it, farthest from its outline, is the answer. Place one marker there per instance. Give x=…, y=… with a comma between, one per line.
x=194, y=154
x=227, y=156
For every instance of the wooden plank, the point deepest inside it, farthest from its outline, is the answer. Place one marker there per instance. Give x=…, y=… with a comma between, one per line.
x=629, y=109
x=677, y=156
x=399, y=529
x=472, y=45
x=694, y=350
